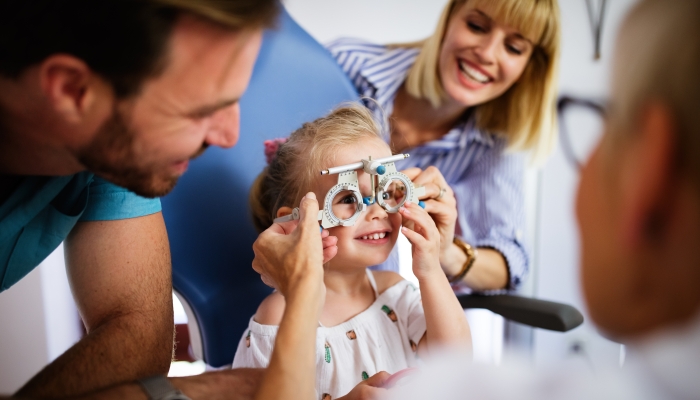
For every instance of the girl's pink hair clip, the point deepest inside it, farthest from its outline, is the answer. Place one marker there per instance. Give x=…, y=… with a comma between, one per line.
x=271, y=147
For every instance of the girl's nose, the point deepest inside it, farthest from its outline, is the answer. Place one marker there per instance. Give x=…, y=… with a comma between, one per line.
x=375, y=211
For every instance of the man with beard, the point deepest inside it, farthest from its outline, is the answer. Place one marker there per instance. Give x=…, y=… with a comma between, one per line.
x=102, y=105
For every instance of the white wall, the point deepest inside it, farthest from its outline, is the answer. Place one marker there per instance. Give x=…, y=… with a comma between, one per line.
x=38, y=322
x=557, y=241
x=380, y=21
x=23, y=346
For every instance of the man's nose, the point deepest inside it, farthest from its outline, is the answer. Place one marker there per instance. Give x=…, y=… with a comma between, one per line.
x=225, y=127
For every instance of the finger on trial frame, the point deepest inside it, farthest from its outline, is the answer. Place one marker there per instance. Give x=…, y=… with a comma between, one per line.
x=422, y=177
x=444, y=206
x=308, y=213
x=431, y=178
x=435, y=191
x=283, y=228
x=420, y=218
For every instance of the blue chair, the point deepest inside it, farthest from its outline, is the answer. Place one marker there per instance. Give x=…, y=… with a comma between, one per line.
x=207, y=216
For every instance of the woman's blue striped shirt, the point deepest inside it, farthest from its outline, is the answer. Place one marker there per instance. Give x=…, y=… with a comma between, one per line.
x=487, y=179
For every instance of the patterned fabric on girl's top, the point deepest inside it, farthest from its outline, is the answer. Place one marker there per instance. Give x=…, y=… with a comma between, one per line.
x=381, y=338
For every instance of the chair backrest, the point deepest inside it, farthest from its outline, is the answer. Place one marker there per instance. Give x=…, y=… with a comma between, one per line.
x=207, y=216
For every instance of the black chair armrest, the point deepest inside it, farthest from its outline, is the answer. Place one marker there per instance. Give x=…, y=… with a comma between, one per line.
x=525, y=310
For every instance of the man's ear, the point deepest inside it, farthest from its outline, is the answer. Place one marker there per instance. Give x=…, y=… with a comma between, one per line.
x=284, y=211
x=71, y=87
x=648, y=175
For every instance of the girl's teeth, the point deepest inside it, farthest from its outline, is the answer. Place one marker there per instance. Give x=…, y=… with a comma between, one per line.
x=374, y=236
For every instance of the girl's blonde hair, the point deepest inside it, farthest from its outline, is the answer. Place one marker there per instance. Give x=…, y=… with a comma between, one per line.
x=299, y=160
x=525, y=114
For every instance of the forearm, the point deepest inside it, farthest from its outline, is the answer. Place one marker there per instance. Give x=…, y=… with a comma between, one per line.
x=291, y=373
x=236, y=384
x=121, y=350
x=446, y=324
x=489, y=272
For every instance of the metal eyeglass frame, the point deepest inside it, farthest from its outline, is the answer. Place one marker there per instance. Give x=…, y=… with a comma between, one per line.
x=348, y=181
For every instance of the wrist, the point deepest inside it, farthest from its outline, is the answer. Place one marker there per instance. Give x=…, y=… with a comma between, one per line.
x=470, y=254
x=308, y=291
x=429, y=275
x=302, y=277
x=452, y=260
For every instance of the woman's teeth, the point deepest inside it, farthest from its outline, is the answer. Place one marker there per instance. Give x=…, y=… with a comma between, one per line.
x=374, y=236
x=473, y=73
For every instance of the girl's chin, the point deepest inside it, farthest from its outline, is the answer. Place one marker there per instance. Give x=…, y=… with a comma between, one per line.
x=360, y=262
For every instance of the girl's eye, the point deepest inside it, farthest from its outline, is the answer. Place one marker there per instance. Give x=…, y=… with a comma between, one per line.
x=388, y=195
x=348, y=200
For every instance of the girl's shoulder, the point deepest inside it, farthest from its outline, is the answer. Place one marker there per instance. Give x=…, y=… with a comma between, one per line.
x=386, y=279
x=271, y=310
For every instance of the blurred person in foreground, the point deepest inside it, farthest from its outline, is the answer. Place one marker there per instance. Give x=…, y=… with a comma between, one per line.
x=638, y=209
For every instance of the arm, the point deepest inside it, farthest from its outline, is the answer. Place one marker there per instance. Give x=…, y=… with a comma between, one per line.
x=289, y=258
x=121, y=279
x=488, y=204
x=237, y=384
x=446, y=324
x=293, y=263
x=488, y=272
x=491, y=207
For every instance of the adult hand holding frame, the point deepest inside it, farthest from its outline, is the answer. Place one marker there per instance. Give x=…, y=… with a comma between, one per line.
x=344, y=203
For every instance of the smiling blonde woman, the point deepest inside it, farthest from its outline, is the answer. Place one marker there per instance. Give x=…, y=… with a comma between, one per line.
x=465, y=103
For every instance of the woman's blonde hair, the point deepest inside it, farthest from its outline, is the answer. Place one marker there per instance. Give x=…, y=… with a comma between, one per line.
x=525, y=114
x=299, y=160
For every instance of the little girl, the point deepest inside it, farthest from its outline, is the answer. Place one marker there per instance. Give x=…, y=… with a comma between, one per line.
x=371, y=321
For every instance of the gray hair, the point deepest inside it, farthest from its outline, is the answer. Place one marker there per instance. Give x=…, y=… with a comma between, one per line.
x=658, y=59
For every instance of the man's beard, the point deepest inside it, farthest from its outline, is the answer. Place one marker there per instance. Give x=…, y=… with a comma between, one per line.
x=111, y=156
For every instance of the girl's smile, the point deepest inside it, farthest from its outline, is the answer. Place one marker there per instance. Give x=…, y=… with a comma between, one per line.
x=370, y=240
x=375, y=237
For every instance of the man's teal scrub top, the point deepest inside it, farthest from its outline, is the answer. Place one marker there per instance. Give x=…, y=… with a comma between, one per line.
x=42, y=211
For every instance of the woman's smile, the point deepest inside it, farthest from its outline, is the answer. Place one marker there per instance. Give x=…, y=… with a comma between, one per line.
x=480, y=58
x=471, y=76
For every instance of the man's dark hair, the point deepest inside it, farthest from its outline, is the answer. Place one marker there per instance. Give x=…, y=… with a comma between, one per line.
x=124, y=41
